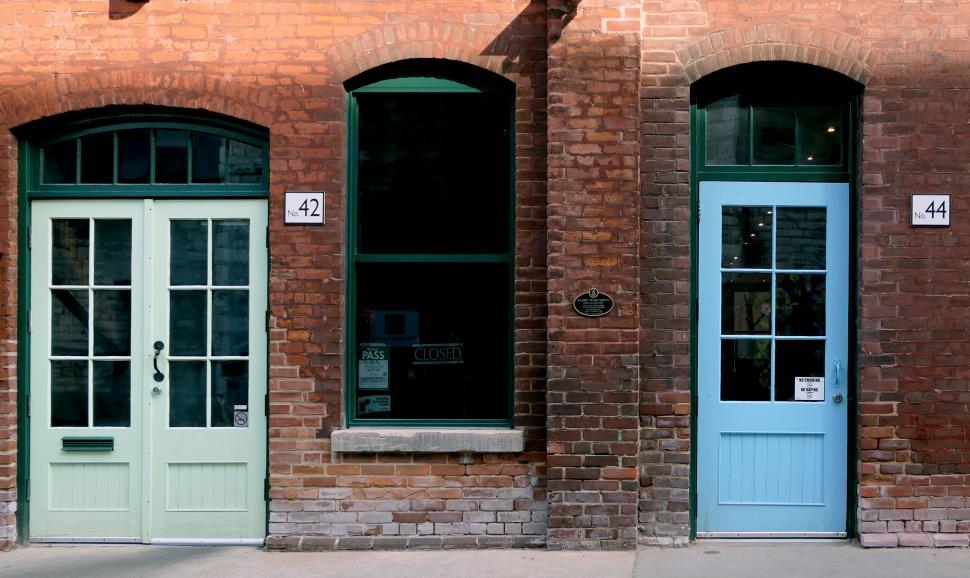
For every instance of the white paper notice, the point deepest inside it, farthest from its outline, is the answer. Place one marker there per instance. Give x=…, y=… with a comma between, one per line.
x=373, y=367
x=809, y=389
x=373, y=404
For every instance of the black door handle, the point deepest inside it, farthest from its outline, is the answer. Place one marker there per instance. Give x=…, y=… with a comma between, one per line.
x=159, y=376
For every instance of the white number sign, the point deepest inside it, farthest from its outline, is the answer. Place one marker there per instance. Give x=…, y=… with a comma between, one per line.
x=931, y=211
x=304, y=209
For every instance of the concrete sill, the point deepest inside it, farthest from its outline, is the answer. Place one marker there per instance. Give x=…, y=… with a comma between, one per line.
x=427, y=440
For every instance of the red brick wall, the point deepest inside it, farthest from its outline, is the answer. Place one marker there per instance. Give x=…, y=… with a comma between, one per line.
x=914, y=405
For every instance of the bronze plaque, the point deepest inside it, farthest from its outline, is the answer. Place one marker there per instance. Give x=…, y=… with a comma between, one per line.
x=593, y=304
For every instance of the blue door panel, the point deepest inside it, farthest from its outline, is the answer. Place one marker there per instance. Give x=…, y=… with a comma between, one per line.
x=768, y=464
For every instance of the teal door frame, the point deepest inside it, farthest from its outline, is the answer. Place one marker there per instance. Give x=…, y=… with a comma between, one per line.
x=31, y=138
x=846, y=172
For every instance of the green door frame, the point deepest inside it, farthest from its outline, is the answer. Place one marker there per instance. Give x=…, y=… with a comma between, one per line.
x=417, y=85
x=846, y=172
x=31, y=138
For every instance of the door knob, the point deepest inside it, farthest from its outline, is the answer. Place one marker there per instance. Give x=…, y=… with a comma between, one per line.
x=837, y=398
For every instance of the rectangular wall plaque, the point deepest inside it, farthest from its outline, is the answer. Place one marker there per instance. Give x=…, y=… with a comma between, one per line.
x=931, y=211
x=304, y=208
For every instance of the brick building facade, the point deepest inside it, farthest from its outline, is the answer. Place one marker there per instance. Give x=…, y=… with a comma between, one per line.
x=605, y=104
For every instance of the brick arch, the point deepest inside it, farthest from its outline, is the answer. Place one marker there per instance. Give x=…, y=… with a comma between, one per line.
x=836, y=51
x=445, y=40
x=72, y=92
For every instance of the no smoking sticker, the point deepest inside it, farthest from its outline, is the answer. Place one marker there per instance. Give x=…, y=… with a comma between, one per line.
x=240, y=416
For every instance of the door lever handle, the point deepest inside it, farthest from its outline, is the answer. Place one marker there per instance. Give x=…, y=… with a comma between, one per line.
x=159, y=376
x=838, y=370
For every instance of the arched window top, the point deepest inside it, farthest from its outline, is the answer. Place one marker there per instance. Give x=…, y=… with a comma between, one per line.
x=145, y=151
x=775, y=116
x=429, y=75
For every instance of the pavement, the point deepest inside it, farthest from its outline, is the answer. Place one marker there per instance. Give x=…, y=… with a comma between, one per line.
x=707, y=559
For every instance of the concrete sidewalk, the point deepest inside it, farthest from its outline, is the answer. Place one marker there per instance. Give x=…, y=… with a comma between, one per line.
x=701, y=560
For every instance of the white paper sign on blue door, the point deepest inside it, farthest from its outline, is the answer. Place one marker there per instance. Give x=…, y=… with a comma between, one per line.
x=809, y=388
x=304, y=208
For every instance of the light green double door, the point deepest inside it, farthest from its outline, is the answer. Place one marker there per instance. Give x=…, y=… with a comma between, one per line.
x=148, y=371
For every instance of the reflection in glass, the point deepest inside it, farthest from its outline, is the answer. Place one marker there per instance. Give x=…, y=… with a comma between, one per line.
x=774, y=134
x=796, y=359
x=112, y=252
x=112, y=322
x=208, y=164
x=187, y=322
x=69, y=393
x=171, y=156
x=800, y=303
x=69, y=322
x=230, y=322
x=727, y=140
x=134, y=156
x=60, y=163
x=801, y=238
x=189, y=252
x=245, y=163
x=112, y=393
x=97, y=158
x=230, y=388
x=746, y=303
x=230, y=252
x=745, y=369
x=819, y=135
x=71, y=240
x=746, y=237
x=186, y=397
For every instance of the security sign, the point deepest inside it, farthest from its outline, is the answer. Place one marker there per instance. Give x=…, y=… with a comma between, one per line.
x=809, y=389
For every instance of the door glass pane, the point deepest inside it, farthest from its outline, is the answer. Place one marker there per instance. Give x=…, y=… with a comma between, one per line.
x=801, y=238
x=230, y=393
x=134, y=156
x=727, y=132
x=186, y=398
x=230, y=252
x=746, y=237
x=800, y=304
x=69, y=322
x=112, y=322
x=745, y=369
x=796, y=359
x=433, y=341
x=208, y=158
x=112, y=252
x=97, y=158
x=60, y=163
x=71, y=240
x=69, y=393
x=171, y=156
x=819, y=135
x=230, y=322
x=189, y=252
x=187, y=322
x=774, y=134
x=112, y=393
x=746, y=303
x=245, y=163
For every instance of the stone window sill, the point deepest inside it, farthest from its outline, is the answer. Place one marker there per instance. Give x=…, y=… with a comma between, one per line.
x=427, y=440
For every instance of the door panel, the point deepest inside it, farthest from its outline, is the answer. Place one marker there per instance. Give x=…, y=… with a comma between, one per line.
x=209, y=427
x=772, y=348
x=83, y=361
x=184, y=426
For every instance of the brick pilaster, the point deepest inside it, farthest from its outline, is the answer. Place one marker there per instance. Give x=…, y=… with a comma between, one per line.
x=593, y=213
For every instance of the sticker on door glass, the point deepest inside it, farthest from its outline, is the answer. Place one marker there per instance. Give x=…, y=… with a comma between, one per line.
x=809, y=388
x=373, y=366
x=373, y=404
x=240, y=416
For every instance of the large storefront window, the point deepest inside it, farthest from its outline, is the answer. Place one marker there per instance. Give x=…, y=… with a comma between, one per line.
x=431, y=246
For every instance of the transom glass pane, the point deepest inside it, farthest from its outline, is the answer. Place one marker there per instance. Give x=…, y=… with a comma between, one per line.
x=774, y=134
x=134, y=156
x=727, y=132
x=60, y=163
x=171, y=156
x=97, y=158
x=208, y=158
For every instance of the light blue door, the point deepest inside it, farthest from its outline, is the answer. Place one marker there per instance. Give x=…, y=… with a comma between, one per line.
x=772, y=355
